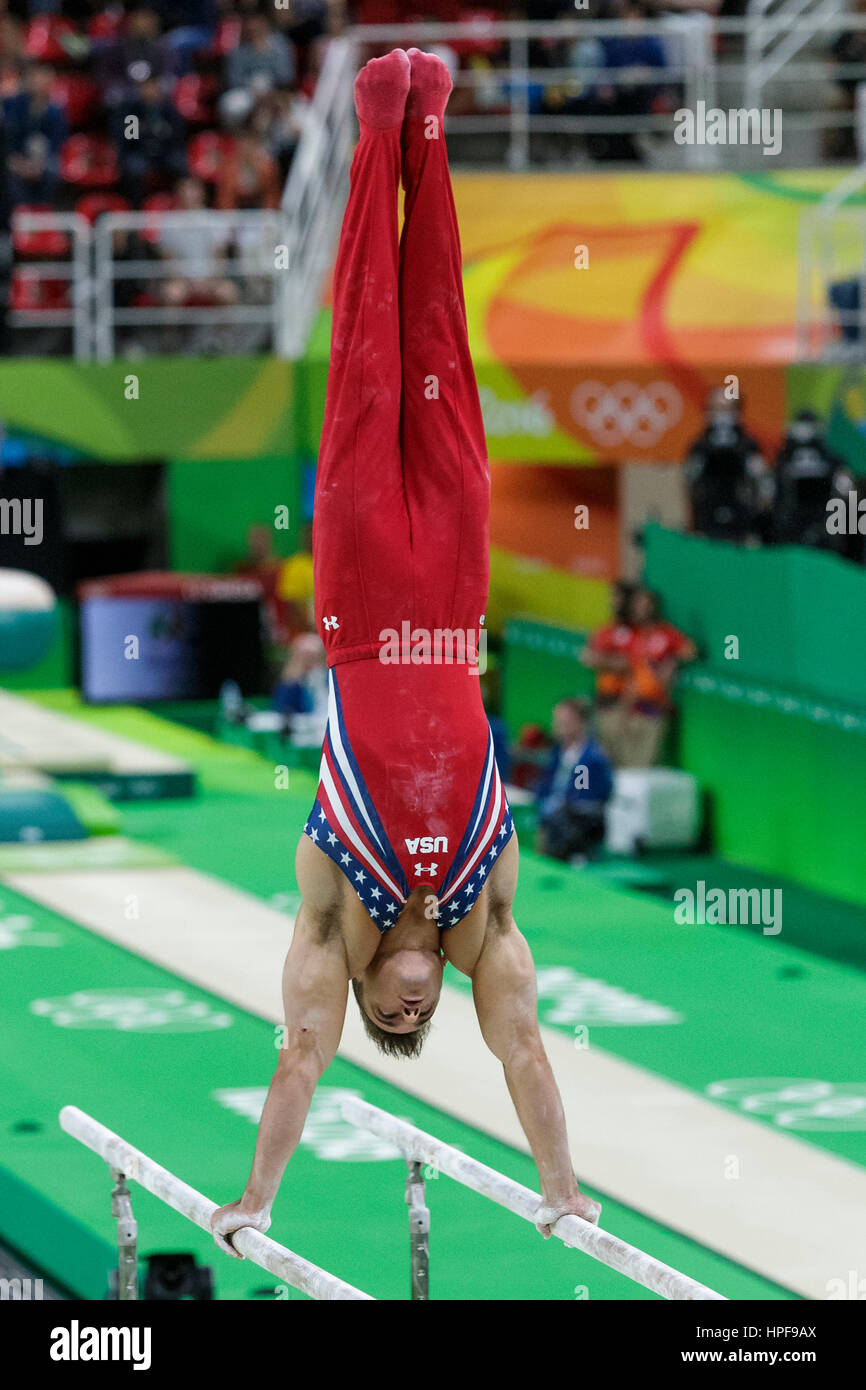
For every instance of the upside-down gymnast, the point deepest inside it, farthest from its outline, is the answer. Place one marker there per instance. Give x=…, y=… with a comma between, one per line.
x=408, y=859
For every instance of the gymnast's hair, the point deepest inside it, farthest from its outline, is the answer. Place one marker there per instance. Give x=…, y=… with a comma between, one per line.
x=391, y=1044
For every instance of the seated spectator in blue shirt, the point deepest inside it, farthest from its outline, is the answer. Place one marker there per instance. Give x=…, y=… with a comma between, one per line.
x=303, y=683
x=574, y=787
x=632, y=57
x=35, y=131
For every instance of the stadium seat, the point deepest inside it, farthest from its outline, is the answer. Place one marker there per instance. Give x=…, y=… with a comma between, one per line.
x=105, y=26
x=195, y=98
x=93, y=205
x=88, y=161
x=51, y=39
x=227, y=36
x=79, y=96
x=29, y=294
x=156, y=203
x=205, y=153
x=474, y=22
x=46, y=245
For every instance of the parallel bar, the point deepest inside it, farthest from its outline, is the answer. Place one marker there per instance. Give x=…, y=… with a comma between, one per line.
x=572, y=1230
x=263, y=1251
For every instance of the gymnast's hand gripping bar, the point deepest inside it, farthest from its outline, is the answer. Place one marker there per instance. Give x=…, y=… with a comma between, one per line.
x=124, y=1160
x=419, y=1147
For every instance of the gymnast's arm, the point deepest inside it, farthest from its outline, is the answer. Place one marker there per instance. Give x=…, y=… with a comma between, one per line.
x=315, y=990
x=503, y=985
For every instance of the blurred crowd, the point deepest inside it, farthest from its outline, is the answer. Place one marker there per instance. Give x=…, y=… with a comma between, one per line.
x=154, y=106
x=120, y=101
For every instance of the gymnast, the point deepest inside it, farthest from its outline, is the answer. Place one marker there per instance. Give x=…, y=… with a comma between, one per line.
x=408, y=858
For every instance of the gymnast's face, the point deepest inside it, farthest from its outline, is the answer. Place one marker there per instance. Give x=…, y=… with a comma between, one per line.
x=401, y=989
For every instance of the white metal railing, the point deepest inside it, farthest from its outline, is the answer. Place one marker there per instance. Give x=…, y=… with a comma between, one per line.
x=315, y=195
x=694, y=68
x=420, y=1148
x=772, y=39
x=125, y=1161
x=74, y=272
x=832, y=261
x=255, y=239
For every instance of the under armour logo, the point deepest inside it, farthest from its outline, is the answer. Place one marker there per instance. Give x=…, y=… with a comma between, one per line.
x=430, y=869
x=330, y=623
x=481, y=619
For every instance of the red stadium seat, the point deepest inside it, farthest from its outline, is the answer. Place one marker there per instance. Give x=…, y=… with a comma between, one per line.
x=227, y=36
x=107, y=25
x=93, y=205
x=80, y=97
x=195, y=98
x=156, y=203
x=88, y=161
x=47, y=245
x=205, y=153
x=30, y=295
x=51, y=39
x=475, y=22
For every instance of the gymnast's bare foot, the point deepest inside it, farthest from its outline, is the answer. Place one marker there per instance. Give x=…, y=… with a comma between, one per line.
x=431, y=86
x=381, y=89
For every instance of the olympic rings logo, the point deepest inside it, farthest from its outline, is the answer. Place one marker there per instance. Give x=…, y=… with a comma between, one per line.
x=626, y=413
x=795, y=1103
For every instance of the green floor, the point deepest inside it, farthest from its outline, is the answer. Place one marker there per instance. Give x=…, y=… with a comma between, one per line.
x=747, y=1006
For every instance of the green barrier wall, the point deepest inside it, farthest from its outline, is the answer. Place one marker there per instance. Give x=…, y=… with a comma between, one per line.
x=785, y=785
x=212, y=503
x=799, y=615
x=540, y=667
x=784, y=774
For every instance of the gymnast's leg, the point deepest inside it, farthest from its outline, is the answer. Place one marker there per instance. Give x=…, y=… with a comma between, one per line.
x=361, y=548
x=444, y=453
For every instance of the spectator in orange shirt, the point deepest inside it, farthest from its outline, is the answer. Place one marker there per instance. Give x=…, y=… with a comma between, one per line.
x=248, y=177
x=635, y=661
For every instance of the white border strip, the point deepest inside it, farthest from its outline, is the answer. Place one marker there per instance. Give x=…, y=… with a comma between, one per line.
x=571, y=1230
x=263, y=1251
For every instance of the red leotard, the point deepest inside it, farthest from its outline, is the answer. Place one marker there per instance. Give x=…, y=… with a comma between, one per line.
x=409, y=792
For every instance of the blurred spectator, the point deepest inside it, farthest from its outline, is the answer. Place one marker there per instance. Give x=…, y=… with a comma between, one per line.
x=190, y=26
x=262, y=564
x=303, y=683
x=263, y=60
x=153, y=150
x=201, y=248
x=295, y=583
x=278, y=119
x=633, y=57
x=11, y=40
x=806, y=478
x=136, y=56
x=574, y=787
x=35, y=131
x=490, y=688
x=635, y=663
x=248, y=177
x=728, y=482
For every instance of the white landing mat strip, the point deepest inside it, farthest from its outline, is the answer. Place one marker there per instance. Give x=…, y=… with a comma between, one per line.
x=34, y=737
x=796, y=1215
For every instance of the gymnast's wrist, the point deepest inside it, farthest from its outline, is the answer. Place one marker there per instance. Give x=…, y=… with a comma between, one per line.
x=255, y=1203
x=561, y=1195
